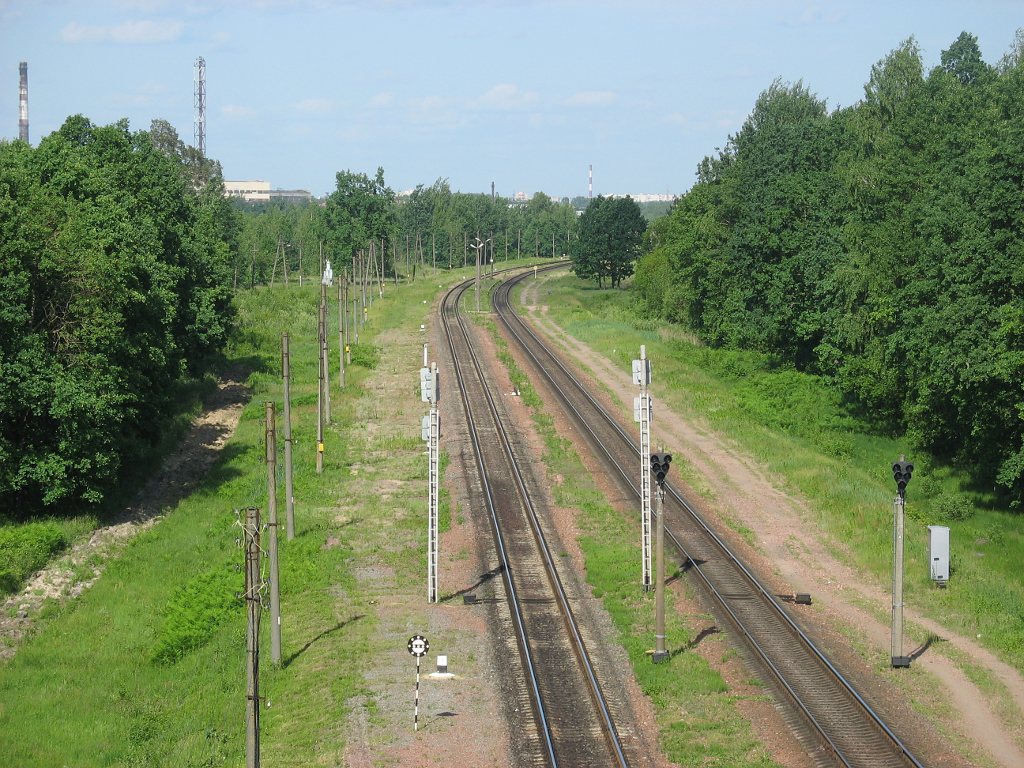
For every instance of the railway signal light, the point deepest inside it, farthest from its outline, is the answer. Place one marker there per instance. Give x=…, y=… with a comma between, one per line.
x=659, y=466
x=901, y=471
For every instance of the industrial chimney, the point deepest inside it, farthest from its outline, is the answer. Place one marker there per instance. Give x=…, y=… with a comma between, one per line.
x=23, y=102
x=590, y=183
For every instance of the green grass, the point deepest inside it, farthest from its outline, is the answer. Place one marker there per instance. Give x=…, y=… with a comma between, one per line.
x=795, y=426
x=147, y=668
x=698, y=720
x=27, y=547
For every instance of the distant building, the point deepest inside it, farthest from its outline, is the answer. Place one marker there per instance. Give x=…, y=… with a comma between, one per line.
x=257, y=190
x=291, y=195
x=252, y=190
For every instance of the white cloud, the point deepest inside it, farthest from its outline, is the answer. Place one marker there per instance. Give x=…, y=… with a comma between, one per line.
x=145, y=95
x=506, y=96
x=237, y=110
x=129, y=32
x=592, y=99
x=382, y=99
x=318, y=106
x=433, y=110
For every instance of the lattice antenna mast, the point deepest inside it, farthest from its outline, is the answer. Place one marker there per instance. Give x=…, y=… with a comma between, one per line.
x=200, y=105
x=23, y=102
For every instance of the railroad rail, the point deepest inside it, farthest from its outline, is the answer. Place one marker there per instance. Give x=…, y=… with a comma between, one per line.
x=839, y=725
x=574, y=726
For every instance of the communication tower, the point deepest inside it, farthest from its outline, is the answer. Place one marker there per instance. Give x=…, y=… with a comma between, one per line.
x=200, y=105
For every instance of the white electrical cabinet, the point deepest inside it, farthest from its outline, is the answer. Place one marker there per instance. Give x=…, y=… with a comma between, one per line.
x=938, y=553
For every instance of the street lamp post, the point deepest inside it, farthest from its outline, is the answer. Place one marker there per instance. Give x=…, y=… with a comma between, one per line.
x=477, y=246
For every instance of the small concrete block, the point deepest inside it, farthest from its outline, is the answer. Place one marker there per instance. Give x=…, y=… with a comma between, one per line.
x=802, y=598
x=900, y=662
x=442, y=663
x=469, y=599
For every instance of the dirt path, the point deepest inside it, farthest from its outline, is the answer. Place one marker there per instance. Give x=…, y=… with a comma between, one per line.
x=78, y=569
x=802, y=562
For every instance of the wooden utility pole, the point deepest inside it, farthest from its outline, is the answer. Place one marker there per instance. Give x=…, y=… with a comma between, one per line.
x=275, y=589
x=253, y=588
x=289, y=491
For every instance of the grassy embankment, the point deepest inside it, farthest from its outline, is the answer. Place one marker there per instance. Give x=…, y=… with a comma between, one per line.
x=147, y=667
x=795, y=426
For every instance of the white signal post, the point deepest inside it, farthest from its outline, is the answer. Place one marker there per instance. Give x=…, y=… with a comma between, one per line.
x=642, y=413
x=431, y=436
x=418, y=646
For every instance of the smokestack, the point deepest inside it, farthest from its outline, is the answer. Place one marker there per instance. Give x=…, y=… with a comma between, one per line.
x=590, y=193
x=492, y=191
x=23, y=102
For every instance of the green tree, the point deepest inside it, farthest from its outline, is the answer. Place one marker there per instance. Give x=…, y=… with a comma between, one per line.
x=610, y=233
x=359, y=210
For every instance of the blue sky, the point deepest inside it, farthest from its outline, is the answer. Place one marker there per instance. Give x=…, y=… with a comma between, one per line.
x=523, y=93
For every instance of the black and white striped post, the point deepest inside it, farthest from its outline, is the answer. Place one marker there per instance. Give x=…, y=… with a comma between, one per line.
x=418, y=647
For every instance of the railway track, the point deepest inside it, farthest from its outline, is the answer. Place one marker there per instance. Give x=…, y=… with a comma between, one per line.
x=572, y=719
x=834, y=722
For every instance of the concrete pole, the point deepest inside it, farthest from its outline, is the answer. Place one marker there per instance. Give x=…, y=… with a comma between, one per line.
x=660, y=654
x=898, y=659
x=324, y=358
x=320, y=392
x=252, y=600
x=289, y=489
x=275, y=590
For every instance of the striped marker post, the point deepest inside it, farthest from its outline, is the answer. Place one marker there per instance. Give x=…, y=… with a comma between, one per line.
x=418, y=647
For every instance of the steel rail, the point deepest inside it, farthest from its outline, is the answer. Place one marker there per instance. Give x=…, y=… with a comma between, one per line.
x=451, y=299
x=505, y=311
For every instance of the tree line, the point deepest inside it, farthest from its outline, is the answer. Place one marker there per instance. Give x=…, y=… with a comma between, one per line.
x=116, y=249
x=879, y=245
x=430, y=227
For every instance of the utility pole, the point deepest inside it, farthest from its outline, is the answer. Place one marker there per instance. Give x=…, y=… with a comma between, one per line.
x=253, y=597
x=660, y=462
x=275, y=589
x=324, y=359
x=320, y=388
x=642, y=413
x=341, y=330
x=289, y=490
x=431, y=434
x=901, y=471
